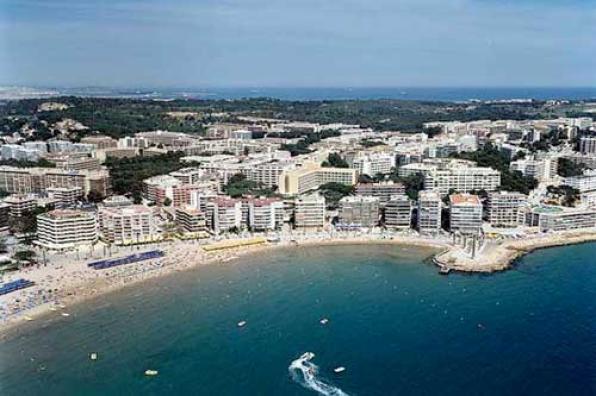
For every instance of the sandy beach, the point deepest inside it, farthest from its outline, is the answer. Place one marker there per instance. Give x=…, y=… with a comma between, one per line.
x=66, y=281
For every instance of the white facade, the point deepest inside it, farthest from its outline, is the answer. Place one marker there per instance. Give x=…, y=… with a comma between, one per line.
x=66, y=229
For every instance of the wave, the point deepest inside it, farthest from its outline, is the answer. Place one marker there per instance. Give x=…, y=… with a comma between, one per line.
x=305, y=372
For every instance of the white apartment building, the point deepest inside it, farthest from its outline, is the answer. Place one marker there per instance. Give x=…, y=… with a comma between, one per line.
x=66, y=229
x=265, y=214
x=462, y=179
x=465, y=214
x=358, y=211
x=20, y=153
x=126, y=225
x=586, y=182
x=373, y=163
x=429, y=212
x=398, y=212
x=309, y=212
x=539, y=169
x=504, y=208
x=566, y=220
x=224, y=214
x=587, y=145
x=188, y=175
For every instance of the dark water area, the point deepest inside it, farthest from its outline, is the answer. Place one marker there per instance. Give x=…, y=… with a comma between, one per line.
x=397, y=327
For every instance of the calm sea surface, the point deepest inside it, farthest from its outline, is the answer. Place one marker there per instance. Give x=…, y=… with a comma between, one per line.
x=397, y=327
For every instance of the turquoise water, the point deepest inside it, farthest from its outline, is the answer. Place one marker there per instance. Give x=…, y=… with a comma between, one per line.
x=397, y=326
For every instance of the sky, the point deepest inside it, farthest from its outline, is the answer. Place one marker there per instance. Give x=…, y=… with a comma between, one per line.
x=298, y=43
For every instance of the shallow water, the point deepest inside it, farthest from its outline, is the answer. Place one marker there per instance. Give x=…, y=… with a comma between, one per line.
x=395, y=324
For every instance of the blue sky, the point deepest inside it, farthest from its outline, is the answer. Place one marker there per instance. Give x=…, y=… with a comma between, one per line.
x=293, y=43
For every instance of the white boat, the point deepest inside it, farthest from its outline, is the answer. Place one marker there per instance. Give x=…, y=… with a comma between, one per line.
x=339, y=369
x=151, y=373
x=93, y=356
x=324, y=321
x=28, y=318
x=65, y=314
x=242, y=323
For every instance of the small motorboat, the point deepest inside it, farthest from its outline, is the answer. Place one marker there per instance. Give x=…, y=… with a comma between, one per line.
x=324, y=321
x=242, y=323
x=28, y=318
x=93, y=356
x=65, y=314
x=151, y=373
x=339, y=369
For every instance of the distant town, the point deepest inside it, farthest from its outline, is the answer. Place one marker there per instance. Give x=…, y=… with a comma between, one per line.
x=237, y=178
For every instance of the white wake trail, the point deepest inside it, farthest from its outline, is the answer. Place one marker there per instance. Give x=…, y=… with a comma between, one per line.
x=304, y=371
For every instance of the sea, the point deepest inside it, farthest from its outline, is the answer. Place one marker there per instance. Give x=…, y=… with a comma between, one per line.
x=440, y=94
x=393, y=323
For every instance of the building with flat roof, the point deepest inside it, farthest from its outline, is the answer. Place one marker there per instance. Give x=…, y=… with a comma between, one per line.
x=191, y=220
x=358, y=211
x=566, y=220
x=63, y=229
x=465, y=212
x=462, y=179
x=125, y=225
x=309, y=212
x=265, y=214
x=398, y=212
x=429, y=212
x=382, y=190
x=504, y=208
x=66, y=197
x=224, y=214
x=312, y=176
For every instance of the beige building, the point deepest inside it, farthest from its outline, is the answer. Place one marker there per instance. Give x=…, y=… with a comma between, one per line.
x=504, y=208
x=311, y=176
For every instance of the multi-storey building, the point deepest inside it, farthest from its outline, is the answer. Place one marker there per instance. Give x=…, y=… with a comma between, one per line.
x=188, y=175
x=462, y=179
x=587, y=145
x=100, y=142
x=583, y=183
x=429, y=212
x=66, y=229
x=309, y=212
x=191, y=220
x=127, y=224
x=37, y=180
x=66, y=197
x=565, y=220
x=265, y=214
x=224, y=214
x=310, y=177
x=358, y=211
x=504, y=208
x=465, y=214
x=382, y=190
x=398, y=212
x=19, y=204
x=373, y=163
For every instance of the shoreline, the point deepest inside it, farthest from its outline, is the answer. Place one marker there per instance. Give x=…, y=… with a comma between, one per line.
x=184, y=255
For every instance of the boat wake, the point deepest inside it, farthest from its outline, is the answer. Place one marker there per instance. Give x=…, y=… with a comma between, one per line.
x=305, y=372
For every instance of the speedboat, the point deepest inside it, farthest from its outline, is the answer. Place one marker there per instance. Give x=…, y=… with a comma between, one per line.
x=242, y=323
x=324, y=321
x=65, y=314
x=339, y=369
x=151, y=373
x=93, y=356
